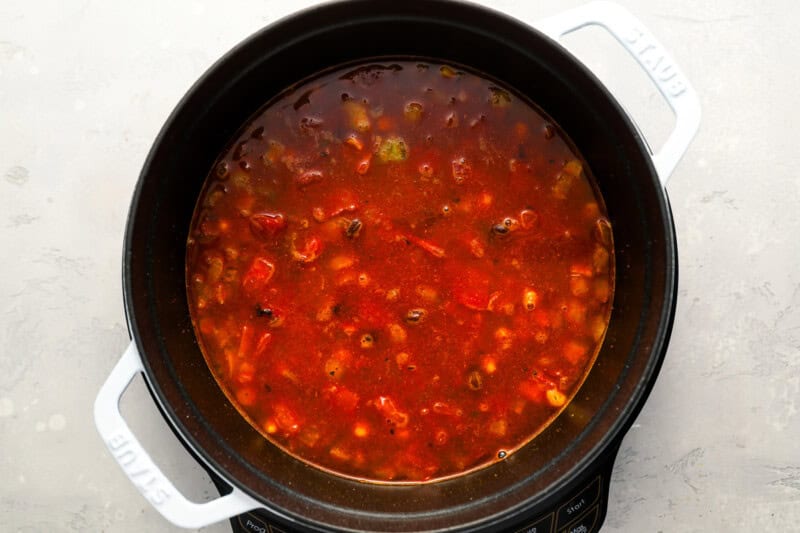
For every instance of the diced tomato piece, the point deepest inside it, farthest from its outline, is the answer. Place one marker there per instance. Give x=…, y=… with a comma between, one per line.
x=339, y=453
x=532, y=390
x=354, y=141
x=575, y=352
x=345, y=399
x=307, y=178
x=246, y=396
x=446, y=409
x=471, y=289
x=544, y=378
x=310, y=252
x=344, y=208
x=342, y=201
x=261, y=345
x=267, y=224
x=246, y=342
x=541, y=318
x=374, y=312
x=258, y=275
x=207, y=326
x=246, y=373
x=286, y=419
x=429, y=247
x=581, y=270
x=363, y=166
x=476, y=247
x=528, y=218
x=387, y=408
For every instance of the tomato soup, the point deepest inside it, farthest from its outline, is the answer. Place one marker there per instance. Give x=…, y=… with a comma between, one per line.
x=400, y=271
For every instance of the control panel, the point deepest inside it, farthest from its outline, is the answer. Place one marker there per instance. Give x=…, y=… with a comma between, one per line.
x=582, y=512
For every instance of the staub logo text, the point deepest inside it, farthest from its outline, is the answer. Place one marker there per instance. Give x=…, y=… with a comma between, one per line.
x=655, y=60
x=148, y=482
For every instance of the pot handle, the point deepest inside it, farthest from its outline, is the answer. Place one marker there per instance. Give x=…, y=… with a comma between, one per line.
x=140, y=468
x=652, y=57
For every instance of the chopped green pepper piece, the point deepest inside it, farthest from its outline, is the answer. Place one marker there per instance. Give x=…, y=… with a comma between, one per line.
x=393, y=149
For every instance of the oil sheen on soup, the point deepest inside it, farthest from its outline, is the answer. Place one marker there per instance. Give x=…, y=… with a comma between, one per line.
x=400, y=271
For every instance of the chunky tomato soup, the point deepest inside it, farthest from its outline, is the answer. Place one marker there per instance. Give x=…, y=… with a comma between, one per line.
x=400, y=272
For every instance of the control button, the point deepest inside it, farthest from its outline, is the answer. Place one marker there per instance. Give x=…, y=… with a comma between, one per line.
x=577, y=505
x=252, y=523
x=585, y=524
x=542, y=525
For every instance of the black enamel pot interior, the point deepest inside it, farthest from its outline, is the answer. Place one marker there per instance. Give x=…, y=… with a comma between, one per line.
x=296, y=48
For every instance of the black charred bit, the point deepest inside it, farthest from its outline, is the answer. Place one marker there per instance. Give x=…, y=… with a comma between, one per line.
x=500, y=229
x=264, y=311
x=415, y=316
x=353, y=229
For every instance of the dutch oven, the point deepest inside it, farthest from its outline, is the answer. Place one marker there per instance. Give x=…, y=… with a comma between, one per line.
x=560, y=479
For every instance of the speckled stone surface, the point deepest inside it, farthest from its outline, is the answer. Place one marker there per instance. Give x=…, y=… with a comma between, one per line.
x=84, y=89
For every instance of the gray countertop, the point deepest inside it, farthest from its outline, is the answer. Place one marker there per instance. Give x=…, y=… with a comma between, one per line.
x=84, y=89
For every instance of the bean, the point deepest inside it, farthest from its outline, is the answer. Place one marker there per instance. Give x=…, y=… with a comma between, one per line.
x=413, y=111
x=222, y=170
x=529, y=298
x=475, y=380
x=500, y=229
x=461, y=169
x=353, y=228
x=367, y=341
x=416, y=316
x=264, y=311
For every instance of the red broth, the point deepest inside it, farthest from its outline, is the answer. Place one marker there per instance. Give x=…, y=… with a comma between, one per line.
x=400, y=272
